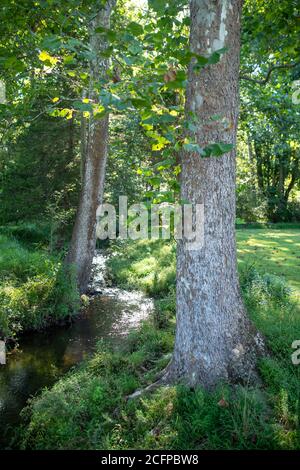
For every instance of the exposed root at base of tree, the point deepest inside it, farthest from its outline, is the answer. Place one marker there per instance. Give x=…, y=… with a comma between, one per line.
x=162, y=379
x=167, y=377
x=166, y=381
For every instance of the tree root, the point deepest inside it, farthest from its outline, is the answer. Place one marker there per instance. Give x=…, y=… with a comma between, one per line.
x=162, y=379
x=243, y=373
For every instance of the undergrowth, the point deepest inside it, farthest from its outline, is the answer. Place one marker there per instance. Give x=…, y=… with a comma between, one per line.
x=88, y=409
x=34, y=289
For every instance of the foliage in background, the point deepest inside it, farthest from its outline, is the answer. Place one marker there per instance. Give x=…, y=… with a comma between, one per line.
x=44, y=65
x=129, y=147
x=269, y=117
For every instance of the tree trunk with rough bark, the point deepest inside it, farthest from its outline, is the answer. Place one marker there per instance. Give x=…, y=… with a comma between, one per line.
x=215, y=341
x=95, y=148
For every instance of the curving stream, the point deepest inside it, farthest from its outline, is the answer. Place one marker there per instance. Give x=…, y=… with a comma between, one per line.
x=44, y=357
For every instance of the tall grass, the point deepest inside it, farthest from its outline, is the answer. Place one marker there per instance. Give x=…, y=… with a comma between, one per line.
x=34, y=292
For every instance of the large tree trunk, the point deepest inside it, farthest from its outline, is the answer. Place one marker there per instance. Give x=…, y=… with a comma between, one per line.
x=214, y=338
x=83, y=241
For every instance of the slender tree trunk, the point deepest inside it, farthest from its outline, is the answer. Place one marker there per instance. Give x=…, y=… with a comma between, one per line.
x=259, y=170
x=282, y=202
x=250, y=148
x=83, y=140
x=94, y=162
x=214, y=338
x=295, y=173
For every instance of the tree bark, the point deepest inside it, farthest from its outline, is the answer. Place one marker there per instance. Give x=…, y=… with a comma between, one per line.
x=215, y=341
x=83, y=240
x=259, y=170
x=295, y=172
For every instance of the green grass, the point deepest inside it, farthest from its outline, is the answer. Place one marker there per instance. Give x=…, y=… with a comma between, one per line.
x=29, y=233
x=145, y=265
x=87, y=409
x=273, y=251
x=150, y=265
x=33, y=290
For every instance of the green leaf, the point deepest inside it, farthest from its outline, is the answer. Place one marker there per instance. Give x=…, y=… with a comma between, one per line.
x=99, y=111
x=108, y=33
x=135, y=48
x=215, y=57
x=201, y=60
x=66, y=112
x=51, y=42
x=135, y=28
x=155, y=181
x=193, y=147
x=140, y=103
x=217, y=149
x=80, y=106
x=162, y=165
x=12, y=63
x=69, y=59
x=158, y=6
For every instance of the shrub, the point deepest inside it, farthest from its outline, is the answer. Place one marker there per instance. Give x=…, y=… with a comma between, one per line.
x=28, y=232
x=251, y=204
x=263, y=289
x=34, y=290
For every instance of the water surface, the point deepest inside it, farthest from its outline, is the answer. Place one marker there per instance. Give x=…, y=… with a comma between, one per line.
x=44, y=357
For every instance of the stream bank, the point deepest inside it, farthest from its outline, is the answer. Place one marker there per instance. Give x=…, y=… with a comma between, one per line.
x=44, y=357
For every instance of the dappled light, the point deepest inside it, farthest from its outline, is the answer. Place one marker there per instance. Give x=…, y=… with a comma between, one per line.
x=149, y=230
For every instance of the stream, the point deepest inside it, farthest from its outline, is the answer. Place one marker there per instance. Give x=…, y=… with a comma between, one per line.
x=43, y=357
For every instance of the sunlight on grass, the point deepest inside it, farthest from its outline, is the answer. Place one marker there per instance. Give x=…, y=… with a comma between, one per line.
x=152, y=263
x=273, y=251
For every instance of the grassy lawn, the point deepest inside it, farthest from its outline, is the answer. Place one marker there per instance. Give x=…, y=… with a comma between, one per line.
x=273, y=251
x=152, y=263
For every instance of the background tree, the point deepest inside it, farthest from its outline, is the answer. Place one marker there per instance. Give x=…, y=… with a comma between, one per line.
x=95, y=147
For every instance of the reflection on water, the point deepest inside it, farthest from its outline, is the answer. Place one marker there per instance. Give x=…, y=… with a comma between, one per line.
x=44, y=357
